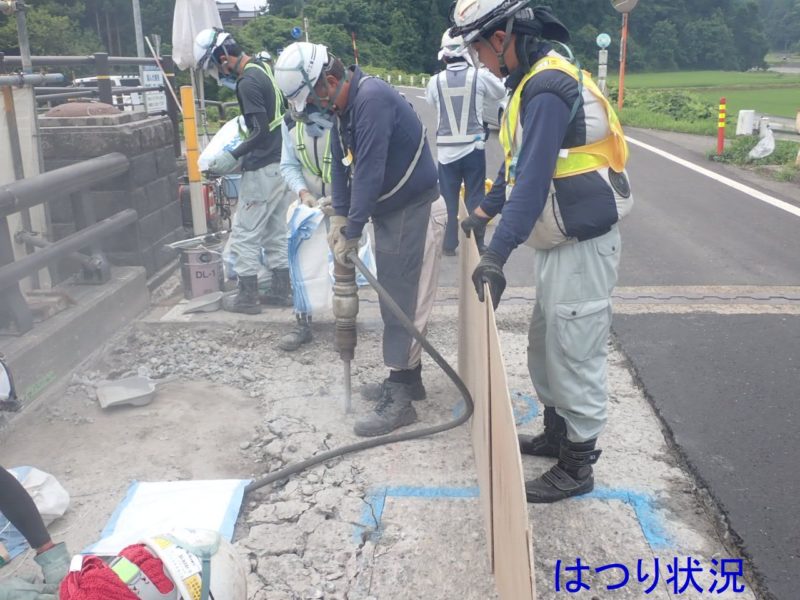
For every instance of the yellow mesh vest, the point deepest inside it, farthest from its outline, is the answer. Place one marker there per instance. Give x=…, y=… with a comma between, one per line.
x=609, y=152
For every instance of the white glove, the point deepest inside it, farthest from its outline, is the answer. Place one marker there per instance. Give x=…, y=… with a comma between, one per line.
x=308, y=199
x=337, y=224
x=326, y=206
x=223, y=163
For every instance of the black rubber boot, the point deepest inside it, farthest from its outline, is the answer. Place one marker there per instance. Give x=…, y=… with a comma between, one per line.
x=571, y=476
x=301, y=334
x=280, y=289
x=245, y=300
x=393, y=410
x=549, y=442
x=372, y=392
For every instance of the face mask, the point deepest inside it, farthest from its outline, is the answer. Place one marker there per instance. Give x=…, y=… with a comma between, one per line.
x=228, y=81
x=320, y=120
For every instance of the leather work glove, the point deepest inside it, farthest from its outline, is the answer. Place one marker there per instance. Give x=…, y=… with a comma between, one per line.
x=20, y=589
x=223, y=163
x=308, y=199
x=476, y=223
x=343, y=248
x=326, y=206
x=336, y=225
x=490, y=270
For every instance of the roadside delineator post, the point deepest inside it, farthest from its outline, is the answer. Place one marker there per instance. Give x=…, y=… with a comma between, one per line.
x=721, y=127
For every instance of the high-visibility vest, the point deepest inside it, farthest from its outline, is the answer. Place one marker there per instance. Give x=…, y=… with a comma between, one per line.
x=611, y=151
x=279, y=101
x=309, y=164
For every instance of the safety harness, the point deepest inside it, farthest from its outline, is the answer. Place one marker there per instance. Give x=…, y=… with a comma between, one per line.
x=302, y=153
x=279, y=101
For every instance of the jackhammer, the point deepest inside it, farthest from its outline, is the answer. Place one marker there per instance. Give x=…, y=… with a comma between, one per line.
x=345, y=309
x=346, y=302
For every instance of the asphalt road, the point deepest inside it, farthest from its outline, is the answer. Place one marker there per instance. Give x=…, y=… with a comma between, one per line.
x=726, y=385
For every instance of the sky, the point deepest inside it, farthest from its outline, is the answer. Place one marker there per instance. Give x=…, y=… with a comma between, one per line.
x=250, y=4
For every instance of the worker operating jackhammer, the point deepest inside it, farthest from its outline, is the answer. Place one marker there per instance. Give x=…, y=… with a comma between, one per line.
x=382, y=170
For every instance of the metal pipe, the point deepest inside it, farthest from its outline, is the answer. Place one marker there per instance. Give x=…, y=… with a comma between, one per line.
x=60, y=183
x=24, y=41
x=73, y=61
x=26, y=237
x=10, y=274
x=65, y=95
x=30, y=79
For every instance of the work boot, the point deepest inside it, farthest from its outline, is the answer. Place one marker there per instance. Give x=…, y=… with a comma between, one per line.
x=393, y=410
x=280, y=289
x=245, y=300
x=54, y=563
x=570, y=476
x=372, y=392
x=301, y=334
x=549, y=442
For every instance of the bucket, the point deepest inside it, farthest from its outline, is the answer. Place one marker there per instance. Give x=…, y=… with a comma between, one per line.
x=201, y=270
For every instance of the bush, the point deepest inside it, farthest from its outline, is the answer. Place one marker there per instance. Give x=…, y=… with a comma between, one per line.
x=785, y=152
x=677, y=104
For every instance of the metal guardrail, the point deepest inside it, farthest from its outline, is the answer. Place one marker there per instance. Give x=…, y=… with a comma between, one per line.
x=57, y=186
x=105, y=91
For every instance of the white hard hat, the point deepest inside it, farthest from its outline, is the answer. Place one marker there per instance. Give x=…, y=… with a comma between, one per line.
x=264, y=55
x=206, y=43
x=184, y=553
x=471, y=18
x=452, y=47
x=297, y=69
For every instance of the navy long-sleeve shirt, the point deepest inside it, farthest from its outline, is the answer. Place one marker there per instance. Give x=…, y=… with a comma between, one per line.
x=545, y=118
x=382, y=131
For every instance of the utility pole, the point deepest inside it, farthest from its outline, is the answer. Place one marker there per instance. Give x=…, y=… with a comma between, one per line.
x=137, y=28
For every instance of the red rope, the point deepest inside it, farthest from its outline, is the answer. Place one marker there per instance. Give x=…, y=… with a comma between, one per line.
x=96, y=580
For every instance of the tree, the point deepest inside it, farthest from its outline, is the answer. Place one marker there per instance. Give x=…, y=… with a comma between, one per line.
x=663, y=46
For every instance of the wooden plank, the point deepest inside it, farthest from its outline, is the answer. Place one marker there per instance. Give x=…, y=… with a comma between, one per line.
x=472, y=368
x=513, y=548
x=494, y=437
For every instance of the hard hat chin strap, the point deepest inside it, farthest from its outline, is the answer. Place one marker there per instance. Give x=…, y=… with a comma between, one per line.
x=501, y=55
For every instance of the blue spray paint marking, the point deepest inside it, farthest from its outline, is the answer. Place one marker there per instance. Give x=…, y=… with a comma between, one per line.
x=531, y=412
x=369, y=525
x=642, y=505
x=520, y=417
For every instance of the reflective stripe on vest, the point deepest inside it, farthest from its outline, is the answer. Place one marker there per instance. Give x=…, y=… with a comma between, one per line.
x=611, y=151
x=310, y=165
x=458, y=127
x=276, y=121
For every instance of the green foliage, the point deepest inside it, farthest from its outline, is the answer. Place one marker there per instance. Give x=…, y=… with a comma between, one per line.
x=676, y=104
x=738, y=148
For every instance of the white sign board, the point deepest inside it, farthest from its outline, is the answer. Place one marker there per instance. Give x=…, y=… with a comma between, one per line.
x=156, y=102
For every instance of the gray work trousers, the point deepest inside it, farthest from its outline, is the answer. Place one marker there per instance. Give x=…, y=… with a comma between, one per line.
x=568, y=335
x=260, y=221
x=408, y=248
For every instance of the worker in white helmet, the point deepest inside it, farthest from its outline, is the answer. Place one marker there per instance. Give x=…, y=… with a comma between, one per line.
x=457, y=93
x=264, y=198
x=382, y=171
x=306, y=162
x=563, y=186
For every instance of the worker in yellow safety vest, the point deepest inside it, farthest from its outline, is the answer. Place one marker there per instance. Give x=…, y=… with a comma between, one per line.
x=562, y=185
x=306, y=168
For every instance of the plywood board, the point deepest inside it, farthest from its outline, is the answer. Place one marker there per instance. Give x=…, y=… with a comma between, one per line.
x=494, y=438
x=513, y=548
x=473, y=368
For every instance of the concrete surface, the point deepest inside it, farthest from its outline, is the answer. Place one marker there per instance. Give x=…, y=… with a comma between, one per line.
x=56, y=346
x=392, y=523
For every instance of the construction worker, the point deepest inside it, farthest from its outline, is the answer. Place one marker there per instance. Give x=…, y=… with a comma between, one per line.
x=306, y=168
x=563, y=185
x=20, y=510
x=264, y=198
x=457, y=93
x=383, y=171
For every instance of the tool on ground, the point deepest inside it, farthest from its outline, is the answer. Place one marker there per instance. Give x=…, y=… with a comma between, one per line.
x=347, y=342
x=207, y=303
x=136, y=391
x=345, y=309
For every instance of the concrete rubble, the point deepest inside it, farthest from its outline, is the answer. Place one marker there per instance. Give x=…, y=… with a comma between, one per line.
x=395, y=522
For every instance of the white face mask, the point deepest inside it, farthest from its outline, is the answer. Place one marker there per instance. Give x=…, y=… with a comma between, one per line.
x=228, y=81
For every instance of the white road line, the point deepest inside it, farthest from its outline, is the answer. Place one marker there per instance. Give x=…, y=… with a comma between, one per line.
x=790, y=208
x=421, y=97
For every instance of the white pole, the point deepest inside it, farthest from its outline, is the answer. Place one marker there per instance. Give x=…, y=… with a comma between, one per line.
x=137, y=28
x=602, y=70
